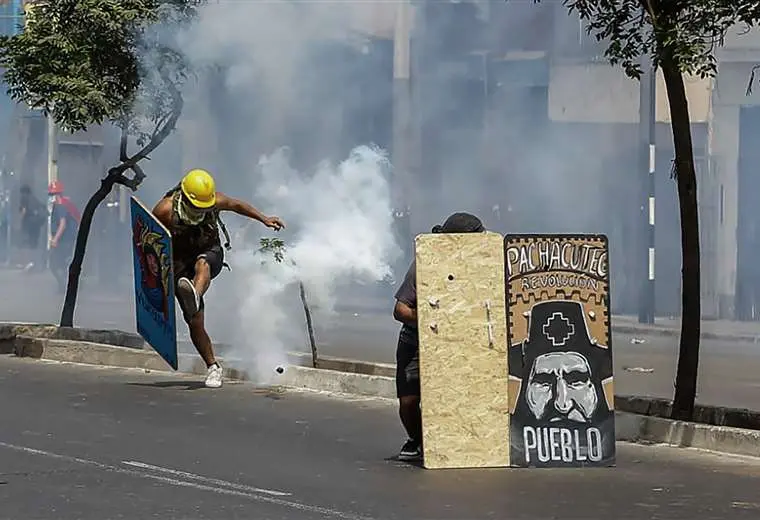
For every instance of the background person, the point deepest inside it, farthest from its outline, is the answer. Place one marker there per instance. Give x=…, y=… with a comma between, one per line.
x=64, y=221
x=33, y=219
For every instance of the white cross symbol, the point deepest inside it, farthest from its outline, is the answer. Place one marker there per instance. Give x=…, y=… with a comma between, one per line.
x=550, y=329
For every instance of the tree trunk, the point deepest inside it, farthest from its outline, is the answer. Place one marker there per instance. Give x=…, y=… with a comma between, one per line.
x=75, y=269
x=309, y=325
x=686, y=179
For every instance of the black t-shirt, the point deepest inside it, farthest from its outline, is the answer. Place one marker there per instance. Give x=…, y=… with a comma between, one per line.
x=407, y=293
x=35, y=212
x=70, y=232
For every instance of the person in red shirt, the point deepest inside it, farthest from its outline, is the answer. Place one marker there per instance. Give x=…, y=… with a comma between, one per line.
x=64, y=222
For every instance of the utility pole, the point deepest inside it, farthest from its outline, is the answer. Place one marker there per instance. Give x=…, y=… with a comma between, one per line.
x=648, y=114
x=402, y=136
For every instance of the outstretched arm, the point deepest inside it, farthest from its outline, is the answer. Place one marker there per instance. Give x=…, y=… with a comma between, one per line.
x=225, y=203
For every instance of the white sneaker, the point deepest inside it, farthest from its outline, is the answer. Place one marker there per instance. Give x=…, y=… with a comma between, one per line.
x=214, y=376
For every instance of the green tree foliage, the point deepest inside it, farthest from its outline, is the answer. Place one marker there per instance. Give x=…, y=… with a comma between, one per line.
x=275, y=246
x=680, y=37
x=681, y=32
x=88, y=62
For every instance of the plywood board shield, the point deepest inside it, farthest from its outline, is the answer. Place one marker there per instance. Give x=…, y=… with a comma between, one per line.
x=560, y=351
x=461, y=314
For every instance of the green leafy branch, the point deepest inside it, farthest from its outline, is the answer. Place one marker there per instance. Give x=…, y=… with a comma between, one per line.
x=274, y=246
x=685, y=33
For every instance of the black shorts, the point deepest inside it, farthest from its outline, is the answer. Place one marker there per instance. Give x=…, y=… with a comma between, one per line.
x=407, y=367
x=215, y=258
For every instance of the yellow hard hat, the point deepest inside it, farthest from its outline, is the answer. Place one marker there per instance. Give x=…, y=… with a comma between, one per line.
x=199, y=188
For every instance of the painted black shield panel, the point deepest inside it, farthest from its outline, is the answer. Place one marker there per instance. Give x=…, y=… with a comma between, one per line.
x=560, y=355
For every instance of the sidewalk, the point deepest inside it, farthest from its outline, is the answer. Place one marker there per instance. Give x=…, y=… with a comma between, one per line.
x=32, y=297
x=726, y=330
x=711, y=329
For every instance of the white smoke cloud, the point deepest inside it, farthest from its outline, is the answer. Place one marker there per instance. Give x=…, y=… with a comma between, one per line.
x=342, y=230
x=266, y=44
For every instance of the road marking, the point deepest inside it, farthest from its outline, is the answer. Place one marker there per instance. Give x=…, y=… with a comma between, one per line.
x=256, y=496
x=207, y=480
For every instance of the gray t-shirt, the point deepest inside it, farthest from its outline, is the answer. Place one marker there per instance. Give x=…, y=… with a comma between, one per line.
x=407, y=293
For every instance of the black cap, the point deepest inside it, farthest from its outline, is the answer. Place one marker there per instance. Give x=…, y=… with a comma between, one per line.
x=460, y=223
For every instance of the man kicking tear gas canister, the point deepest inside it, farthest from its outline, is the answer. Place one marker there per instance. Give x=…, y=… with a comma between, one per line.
x=190, y=211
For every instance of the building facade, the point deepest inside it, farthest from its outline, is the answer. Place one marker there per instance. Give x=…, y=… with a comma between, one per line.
x=560, y=144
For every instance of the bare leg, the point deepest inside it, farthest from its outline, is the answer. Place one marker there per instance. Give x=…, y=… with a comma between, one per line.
x=202, y=279
x=411, y=416
x=201, y=340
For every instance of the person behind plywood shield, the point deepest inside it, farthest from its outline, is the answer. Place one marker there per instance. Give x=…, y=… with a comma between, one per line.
x=407, y=351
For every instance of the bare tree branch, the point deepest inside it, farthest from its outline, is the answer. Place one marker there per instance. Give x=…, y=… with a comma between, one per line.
x=118, y=175
x=132, y=183
x=139, y=173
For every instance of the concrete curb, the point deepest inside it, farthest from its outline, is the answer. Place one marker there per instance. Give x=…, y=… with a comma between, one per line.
x=8, y=331
x=333, y=376
x=742, y=418
x=333, y=381
x=376, y=380
x=344, y=365
x=87, y=353
x=723, y=439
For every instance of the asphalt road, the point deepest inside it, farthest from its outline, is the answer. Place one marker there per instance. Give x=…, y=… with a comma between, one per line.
x=729, y=371
x=92, y=444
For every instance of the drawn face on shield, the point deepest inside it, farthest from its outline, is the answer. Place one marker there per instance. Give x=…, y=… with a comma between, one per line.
x=560, y=388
